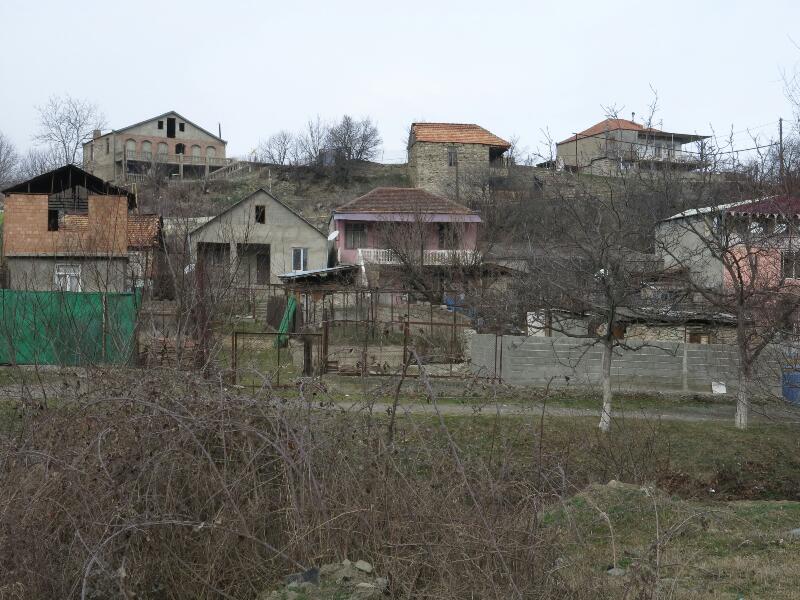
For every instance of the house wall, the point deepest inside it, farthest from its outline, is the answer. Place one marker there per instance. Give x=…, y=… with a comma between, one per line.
x=429, y=169
x=26, y=234
x=376, y=237
x=283, y=231
x=32, y=273
x=102, y=164
x=680, y=243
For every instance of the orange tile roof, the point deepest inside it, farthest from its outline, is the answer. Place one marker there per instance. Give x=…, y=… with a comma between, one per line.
x=456, y=133
x=143, y=230
x=403, y=200
x=608, y=125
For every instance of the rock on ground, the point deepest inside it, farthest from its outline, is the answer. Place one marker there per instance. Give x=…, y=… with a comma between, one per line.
x=343, y=581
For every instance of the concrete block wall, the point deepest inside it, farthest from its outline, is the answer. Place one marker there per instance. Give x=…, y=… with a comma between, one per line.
x=654, y=366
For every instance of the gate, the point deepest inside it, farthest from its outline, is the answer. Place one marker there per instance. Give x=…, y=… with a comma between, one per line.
x=277, y=359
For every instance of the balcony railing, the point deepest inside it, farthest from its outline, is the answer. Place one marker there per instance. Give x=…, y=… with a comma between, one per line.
x=173, y=159
x=653, y=155
x=386, y=256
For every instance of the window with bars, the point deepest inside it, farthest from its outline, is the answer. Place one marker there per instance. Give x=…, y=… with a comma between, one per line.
x=355, y=236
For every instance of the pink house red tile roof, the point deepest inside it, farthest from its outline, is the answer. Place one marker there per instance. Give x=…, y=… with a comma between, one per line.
x=403, y=200
x=456, y=133
x=773, y=206
x=143, y=230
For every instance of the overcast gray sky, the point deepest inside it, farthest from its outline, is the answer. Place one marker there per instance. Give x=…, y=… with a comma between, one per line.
x=513, y=67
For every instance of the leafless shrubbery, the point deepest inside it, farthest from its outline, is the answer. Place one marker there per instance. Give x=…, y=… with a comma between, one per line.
x=161, y=485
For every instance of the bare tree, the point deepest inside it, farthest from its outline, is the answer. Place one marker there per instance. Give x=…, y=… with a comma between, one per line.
x=741, y=260
x=311, y=142
x=65, y=124
x=278, y=149
x=353, y=139
x=585, y=267
x=9, y=160
x=37, y=161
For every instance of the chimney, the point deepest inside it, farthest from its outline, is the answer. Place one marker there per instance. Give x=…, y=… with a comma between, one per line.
x=633, y=117
x=96, y=134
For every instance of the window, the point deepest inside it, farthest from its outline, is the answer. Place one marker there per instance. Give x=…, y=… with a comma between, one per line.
x=108, y=146
x=162, y=149
x=68, y=278
x=790, y=265
x=161, y=124
x=261, y=213
x=355, y=235
x=170, y=127
x=299, y=259
x=448, y=236
x=180, y=149
x=181, y=126
x=452, y=157
x=91, y=151
x=211, y=152
x=52, y=220
x=147, y=150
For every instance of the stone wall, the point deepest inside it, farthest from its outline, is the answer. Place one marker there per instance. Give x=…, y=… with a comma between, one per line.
x=662, y=366
x=429, y=167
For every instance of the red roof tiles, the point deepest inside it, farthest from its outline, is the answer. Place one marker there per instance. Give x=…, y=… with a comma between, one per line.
x=456, y=133
x=403, y=200
x=774, y=206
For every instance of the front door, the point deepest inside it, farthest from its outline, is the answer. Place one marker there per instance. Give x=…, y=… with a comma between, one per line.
x=262, y=268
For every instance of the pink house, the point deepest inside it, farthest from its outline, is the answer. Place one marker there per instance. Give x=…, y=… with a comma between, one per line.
x=396, y=225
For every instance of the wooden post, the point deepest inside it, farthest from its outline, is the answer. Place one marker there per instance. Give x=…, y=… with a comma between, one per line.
x=233, y=356
x=405, y=341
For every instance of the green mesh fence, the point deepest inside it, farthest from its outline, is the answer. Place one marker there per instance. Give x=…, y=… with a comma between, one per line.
x=67, y=328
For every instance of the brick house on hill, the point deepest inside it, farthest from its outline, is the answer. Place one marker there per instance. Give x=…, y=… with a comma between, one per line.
x=448, y=158
x=179, y=147
x=69, y=230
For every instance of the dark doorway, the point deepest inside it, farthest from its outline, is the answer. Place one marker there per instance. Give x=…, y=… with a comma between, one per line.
x=170, y=127
x=262, y=268
x=180, y=149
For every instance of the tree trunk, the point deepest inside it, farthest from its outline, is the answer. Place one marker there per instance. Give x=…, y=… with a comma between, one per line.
x=742, y=398
x=605, y=415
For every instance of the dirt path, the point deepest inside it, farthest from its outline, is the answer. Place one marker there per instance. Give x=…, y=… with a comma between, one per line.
x=723, y=413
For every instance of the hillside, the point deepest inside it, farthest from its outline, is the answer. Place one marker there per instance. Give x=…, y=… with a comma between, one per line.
x=313, y=193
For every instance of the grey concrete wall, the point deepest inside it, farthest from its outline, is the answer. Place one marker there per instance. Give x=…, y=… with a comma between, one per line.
x=97, y=274
x=282, y=231
x=680, y=243
x=667, y=366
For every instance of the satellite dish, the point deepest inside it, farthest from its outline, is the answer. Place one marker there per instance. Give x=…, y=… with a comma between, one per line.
x=333, y=235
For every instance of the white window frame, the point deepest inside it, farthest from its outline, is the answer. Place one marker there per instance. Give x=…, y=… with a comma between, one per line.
x=303, y=259
x=63, y=273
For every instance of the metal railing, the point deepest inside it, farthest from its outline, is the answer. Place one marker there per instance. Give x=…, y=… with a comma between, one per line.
x=387, y=256
x=186, y=159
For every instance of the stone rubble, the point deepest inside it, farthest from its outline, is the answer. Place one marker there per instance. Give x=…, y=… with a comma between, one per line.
x=343, y=581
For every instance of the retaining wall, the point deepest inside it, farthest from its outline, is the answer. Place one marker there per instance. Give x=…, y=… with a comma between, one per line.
x=653, y=366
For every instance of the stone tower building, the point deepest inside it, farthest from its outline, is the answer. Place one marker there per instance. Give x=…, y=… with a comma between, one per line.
x=453, y=158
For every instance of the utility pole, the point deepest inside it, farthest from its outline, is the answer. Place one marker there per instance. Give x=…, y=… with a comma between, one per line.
x=780, y=152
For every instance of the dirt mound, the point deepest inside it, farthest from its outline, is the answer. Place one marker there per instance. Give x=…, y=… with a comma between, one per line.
x=343, y=581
